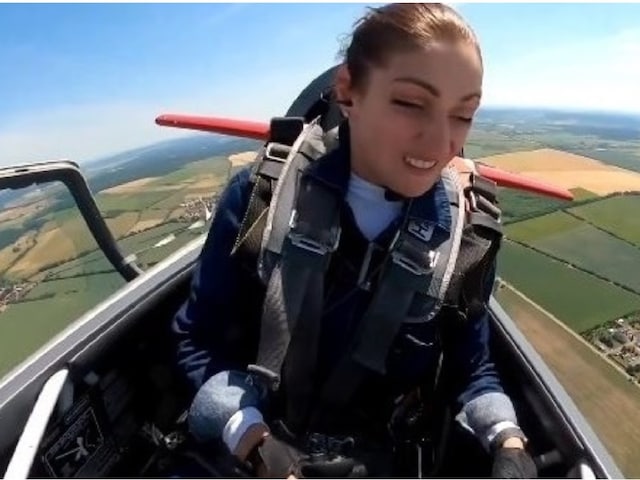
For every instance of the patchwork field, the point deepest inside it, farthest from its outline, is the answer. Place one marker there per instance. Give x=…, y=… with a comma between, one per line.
x=12, y=253
x=596, y=251
x=61, y=256
x=242, y=158
x=567, y=170
x=541, y=227
x=56, y=242
x=580, y=244
x=519, y=205
x=27, y=325
x=130, y=209
x=579, y=299
x=609, y=402
x=130, y=187
x=23, y=212
x=619, y=215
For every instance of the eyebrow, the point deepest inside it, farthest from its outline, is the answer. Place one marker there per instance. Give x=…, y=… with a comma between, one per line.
x=433, y=90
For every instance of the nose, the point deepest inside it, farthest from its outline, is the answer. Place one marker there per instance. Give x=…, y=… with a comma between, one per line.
x=436, y=139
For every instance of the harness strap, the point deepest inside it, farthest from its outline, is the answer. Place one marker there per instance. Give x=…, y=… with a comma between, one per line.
x=295, y=260
x=480, y=244
x=416, y=265
x=265, y=173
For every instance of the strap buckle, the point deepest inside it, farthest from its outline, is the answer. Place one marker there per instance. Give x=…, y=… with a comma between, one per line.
x=271, y=378
x=277, y=151
x=318, y=245
x=404, y=254
x=407, y=263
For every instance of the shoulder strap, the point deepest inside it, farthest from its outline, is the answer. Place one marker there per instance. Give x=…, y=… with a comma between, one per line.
x=419, y=263
x=266, y=171
x=480, y=244
x=302, y=231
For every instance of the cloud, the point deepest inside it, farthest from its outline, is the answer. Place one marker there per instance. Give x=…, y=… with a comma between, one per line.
x=599, y=73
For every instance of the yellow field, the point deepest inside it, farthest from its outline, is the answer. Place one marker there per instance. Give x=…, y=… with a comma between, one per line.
x=55, y=242
x=130, y=187
x=177, y=213
x=23, y=211
x=240, y=159
x=205, y=183
x=123, y=223
x=607, y=400
x=143, y=225
x=8, y=255
x=567, y=170
x=53, y=245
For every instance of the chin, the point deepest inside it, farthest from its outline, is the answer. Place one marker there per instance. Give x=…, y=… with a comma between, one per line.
x=414, y=189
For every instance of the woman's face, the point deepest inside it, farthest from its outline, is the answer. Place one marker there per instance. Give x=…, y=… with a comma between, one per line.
x=413, y=115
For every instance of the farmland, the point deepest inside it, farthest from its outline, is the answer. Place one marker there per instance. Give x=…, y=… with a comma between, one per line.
x=618, y=215
x=579, y=299
x=609, y=402
x=575, y=259
x=567, y=170
x=26, y=325
x=574, y=241
x=58, y=258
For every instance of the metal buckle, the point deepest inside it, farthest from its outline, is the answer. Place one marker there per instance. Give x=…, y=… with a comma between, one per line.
x=405, y=262
x=307, y=243
x=320, y=443
x=271, y=379
x=268, y=153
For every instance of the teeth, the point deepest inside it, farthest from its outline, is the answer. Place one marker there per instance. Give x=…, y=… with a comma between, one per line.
x=419, y=163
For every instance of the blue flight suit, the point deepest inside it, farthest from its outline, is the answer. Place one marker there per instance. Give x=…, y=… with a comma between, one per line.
x=217, y=328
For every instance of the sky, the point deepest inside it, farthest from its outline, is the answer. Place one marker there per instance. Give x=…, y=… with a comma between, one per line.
x=81, y=81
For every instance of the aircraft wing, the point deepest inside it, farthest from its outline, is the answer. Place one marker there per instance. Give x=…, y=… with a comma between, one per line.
x=260, y=131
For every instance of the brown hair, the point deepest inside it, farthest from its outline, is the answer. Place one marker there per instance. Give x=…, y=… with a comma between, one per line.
x=399, y=27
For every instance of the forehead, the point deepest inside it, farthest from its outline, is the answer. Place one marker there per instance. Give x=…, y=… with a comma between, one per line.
x=454, y=69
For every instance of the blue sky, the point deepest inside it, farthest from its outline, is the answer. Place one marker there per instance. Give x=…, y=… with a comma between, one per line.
x=80, y=81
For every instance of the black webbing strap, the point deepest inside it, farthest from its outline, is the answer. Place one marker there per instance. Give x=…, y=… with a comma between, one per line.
x=295, y=288
x=417, y=263
x=265, y=173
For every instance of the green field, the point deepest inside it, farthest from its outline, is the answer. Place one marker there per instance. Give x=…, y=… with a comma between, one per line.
x=71, y=273
x=619, y=215
x=541, y=227
x=568, y=238
x=609, y=402
x=155, y=255
x=28, y=325
x=580, y=300
x=516, y=204
x=597, y=252
x=109, y=202
x=97, y=262
x=91, y=263
x=216, y=166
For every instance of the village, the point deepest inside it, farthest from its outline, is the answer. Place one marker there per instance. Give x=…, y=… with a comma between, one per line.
x=197, y=209
x=621, y=342
x=14, y=293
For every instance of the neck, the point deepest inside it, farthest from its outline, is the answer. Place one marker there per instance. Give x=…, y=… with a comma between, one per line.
x=371, y=207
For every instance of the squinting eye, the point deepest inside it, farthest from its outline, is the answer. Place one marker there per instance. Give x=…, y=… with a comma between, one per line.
x=465, y=119
x=405, y=104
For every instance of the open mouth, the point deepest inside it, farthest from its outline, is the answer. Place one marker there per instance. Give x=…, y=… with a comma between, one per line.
x=418, y=163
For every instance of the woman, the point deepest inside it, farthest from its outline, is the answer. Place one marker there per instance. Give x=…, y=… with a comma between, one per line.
x=409, y=87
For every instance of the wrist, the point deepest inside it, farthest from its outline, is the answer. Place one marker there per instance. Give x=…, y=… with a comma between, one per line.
x=250, y=440
x=511, y=437
x=513, y=442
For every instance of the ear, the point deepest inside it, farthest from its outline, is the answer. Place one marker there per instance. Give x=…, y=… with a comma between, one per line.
x=343, y=89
